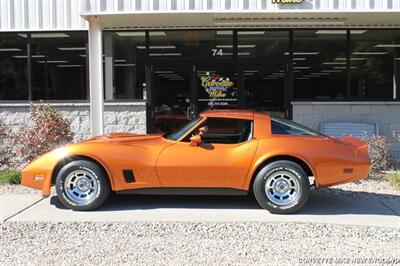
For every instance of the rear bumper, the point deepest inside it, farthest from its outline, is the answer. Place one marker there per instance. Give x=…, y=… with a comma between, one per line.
x=360, y=171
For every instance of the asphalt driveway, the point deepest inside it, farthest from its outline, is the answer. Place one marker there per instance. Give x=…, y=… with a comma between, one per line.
x=321, y=208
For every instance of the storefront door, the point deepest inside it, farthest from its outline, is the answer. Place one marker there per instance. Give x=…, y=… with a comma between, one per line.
x=181, y=92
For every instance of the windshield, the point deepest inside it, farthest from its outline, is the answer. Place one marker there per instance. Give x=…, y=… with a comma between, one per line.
x=181, y=132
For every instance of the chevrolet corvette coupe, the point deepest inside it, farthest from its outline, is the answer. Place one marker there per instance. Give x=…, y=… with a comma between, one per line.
x=223, y=152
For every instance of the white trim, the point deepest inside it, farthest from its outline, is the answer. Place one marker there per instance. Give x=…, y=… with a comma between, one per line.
x=96, y=76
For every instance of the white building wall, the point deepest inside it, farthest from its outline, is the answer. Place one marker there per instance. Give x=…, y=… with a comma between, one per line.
x=60, y=15
x=384, y=114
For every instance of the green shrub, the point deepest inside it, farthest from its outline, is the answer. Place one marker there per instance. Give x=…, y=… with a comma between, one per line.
x=394, y=177
x=11, y=176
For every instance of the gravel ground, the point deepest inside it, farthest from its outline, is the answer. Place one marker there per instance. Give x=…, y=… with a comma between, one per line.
x=367, y=189
x=192, y=243
x=17, y=189
x=178, y=243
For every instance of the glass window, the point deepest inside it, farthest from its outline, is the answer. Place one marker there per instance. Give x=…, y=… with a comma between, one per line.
x=374, y=57
x=191, y=43
x=319, y=64
x=225, y=131
x=13, y=70
x=59, y=65
x=179, y=133
x=265, y=87
x=285, y=127
x=263, y=44
x=124, y=53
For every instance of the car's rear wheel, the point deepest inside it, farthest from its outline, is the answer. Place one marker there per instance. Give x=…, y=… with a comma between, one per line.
x=82, y=185
x=281, y=187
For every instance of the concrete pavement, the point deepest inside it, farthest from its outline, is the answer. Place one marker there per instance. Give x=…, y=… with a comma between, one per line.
x=321, y=208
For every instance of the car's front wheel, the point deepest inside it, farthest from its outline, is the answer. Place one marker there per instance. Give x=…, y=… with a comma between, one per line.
x=82, y=185
x=281, y=187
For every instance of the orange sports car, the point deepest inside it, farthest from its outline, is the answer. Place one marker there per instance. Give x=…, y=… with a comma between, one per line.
x=224, y=152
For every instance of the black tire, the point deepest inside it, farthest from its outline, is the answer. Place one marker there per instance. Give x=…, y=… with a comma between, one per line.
x=272, y=172
x=97, y=178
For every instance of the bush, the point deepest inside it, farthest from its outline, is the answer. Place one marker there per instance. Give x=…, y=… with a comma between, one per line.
x=7, y=154
x=394, y=177
x=48, y=130
x=379, y=153
x=10, y=176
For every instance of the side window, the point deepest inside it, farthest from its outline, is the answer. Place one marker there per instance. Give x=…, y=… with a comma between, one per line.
x=286, y=127
x=225, y=130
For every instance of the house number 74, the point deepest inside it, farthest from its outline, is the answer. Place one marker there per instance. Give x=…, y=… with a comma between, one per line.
x=217, y=52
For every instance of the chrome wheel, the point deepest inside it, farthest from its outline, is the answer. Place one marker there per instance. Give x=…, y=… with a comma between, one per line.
x=81, y=187
x=282, y=188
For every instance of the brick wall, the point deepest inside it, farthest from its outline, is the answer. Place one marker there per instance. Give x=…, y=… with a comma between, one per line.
x=118, y=116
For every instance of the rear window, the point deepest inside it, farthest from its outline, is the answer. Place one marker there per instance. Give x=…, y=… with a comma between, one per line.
x=285, y=127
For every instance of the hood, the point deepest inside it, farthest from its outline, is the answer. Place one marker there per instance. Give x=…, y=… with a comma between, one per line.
x=126, y=138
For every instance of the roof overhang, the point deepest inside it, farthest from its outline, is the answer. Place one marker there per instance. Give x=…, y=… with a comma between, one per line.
x=278, y=19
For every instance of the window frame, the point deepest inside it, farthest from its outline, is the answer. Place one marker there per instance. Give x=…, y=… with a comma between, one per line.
x=205, y=119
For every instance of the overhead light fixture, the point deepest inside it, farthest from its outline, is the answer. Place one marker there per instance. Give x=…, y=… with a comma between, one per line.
x=131, y=33
x=370, y=53
x=119, y=60
x=270, y=78
x=45, y=35
x=299, y=58
x=340, y=31
x=224, y=32
x=319, y=73
x=300, y=67
x=244, y=53
x=344, y=67
x=124, y=65
x=72, y=48
x=53, y=61
x=239, y=46
x=162, y=71
x=334, y=63
x=301, y=78
x=251, y=71
x=25, y=56
x=157, y=33
x=157, y=47
x=10, y=50
x=251, y=32
x=165, y=54
x=82, y=55
x=352, y=58
x=69, y=65
x=302, y=53
x=331, y=71
x=387, y=45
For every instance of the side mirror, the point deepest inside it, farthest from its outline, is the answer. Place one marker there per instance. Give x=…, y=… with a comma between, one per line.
x=203, y=130
x=195, y=140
